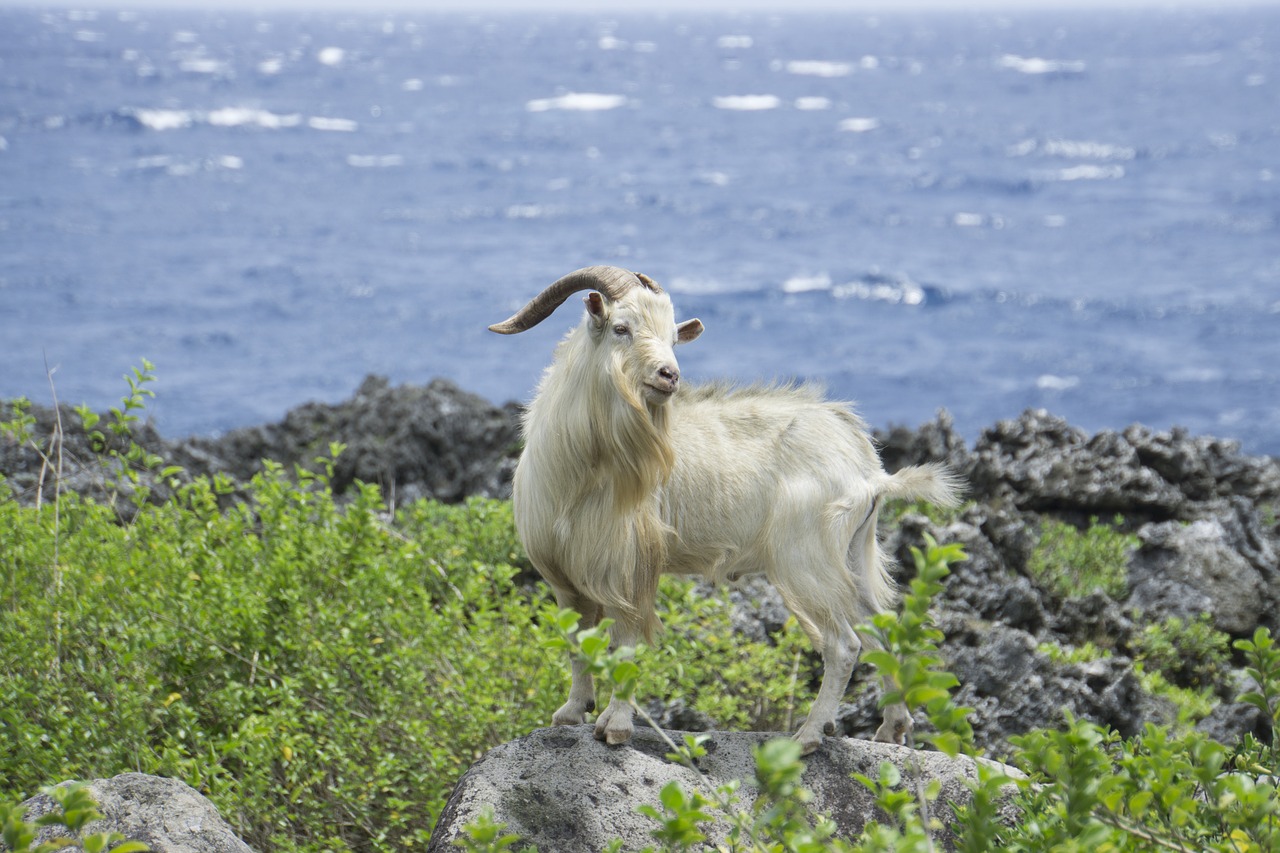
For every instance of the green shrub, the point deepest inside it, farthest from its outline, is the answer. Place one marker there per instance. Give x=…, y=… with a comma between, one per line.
x=1190, y=654
x=1073, y=563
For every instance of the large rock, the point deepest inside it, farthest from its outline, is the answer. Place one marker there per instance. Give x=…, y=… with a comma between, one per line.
x=564, y=791
x=1186, y=570
x=166, y=814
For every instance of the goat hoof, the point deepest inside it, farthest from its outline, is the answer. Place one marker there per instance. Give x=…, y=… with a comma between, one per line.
x=809, y=743
x=829, y=729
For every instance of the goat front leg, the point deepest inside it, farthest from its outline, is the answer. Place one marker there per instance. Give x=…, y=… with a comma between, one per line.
x=582, y=690
x=840, y=650
x=616, y=723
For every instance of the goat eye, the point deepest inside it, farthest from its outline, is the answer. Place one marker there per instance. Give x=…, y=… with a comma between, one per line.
x=621, y=331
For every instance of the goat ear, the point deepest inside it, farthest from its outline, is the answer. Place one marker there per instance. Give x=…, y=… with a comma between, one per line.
x=595, y=306
x=688, y=331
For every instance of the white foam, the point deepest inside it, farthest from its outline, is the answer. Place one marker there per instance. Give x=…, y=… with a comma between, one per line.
x=274, y=65
x=611, y=43
x=204, y=65
x=747, y=103
x=904, y=292
x=248, y=116
x=230, y=161
x=819, y=68
x=807, y=283
x=1049, y=382
x=577, y=101
x=163, y=119
x=87, y=36
x=331, y=56
x=1089, y=172
x=340, y=125
x=968, y=220
x=860, y=125
x=715, y=179
x=412, y=85
x=1072, y=149
x=734, y=42
x=1036, y=65
x=813, y=103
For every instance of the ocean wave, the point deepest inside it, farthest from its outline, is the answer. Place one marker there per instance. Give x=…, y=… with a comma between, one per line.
x=819, y=68
x=747, y=103
x=1036, y=66
x=577, y=101
x=1072, y=149
x=145, y=118
x=870, y=287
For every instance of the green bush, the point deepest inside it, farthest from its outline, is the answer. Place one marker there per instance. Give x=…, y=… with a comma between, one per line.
x=1071, y=563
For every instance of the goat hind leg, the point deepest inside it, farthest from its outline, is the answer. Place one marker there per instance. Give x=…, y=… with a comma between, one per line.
x=582, y=690
x=840, y=650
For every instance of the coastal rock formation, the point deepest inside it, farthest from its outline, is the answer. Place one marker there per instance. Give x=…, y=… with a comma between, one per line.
x=563, y=790
x=167, y=815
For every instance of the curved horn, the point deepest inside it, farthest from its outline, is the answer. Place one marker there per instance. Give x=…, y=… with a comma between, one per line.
x=613, y=282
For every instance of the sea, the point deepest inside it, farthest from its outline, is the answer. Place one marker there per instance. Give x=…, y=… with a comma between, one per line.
x=979, y=212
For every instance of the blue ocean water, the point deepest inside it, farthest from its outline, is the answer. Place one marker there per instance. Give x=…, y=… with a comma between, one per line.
x=981, y=212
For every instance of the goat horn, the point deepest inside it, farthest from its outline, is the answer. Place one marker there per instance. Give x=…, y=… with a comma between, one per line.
x=613, y=282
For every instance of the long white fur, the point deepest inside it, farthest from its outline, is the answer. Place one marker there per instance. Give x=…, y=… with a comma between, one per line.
x=617, y=485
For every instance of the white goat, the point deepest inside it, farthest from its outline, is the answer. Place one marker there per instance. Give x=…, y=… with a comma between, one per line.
x=627, y=474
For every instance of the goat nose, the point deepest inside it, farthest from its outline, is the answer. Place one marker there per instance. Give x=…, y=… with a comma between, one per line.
x=670, y=374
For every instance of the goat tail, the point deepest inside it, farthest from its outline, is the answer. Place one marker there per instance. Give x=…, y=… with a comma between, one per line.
x=933, y=482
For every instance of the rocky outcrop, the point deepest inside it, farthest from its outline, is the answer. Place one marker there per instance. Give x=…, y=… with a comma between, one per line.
x=565, y=791
x=413, y=441
x=166, y=814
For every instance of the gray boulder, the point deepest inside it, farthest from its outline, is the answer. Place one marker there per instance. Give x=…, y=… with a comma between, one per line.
x=564, y=791
x=166, y=814
x=1185, y=570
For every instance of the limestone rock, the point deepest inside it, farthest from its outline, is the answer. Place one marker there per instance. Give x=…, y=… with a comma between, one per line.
x=166, y=814
x=562, y=790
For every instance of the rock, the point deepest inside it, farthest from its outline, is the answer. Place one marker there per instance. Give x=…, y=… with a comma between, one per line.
x=166, y=814
x=1231, y=721
x=1185, y=570
x=1041, y=463
x=564, y=791
x=414, y=441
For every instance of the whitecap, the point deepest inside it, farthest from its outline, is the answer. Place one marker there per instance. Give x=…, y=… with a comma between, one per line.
x=1035, y=65
x=715, y=179
x=610, y=43
x=230, y=161
x=87, y=36
x=859, y=125
x=747, y=103
x=331, y=56
x=204, y=65
x=877, y=288
x=162, y=119
x=242, y=116
x=819, y=68
x=813, y=103
x=806, y=283
x=1049, y=382
x=576, y=101
x=273, y=65
x=968, y=220
x=413, y=84
x=1089, y=172
x=341, y=125
x=734, y=42
x=1087, y=150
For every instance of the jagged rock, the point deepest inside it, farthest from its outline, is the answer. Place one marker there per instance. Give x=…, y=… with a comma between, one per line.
x=166, y=814
x=414, y=441
x=1231, y=721
x=564, y=791
x=1185, y=570
x=1041, y=463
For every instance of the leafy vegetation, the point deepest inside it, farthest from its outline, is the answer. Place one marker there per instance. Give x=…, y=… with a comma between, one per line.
x=1070, y=562
x=324, y=670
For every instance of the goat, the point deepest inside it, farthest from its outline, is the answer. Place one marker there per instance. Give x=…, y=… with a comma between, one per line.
x=627, y=473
